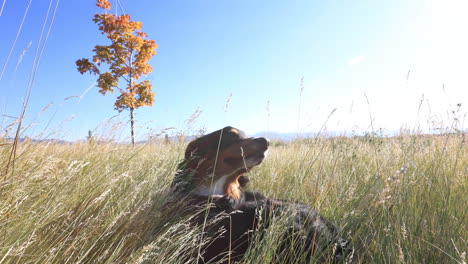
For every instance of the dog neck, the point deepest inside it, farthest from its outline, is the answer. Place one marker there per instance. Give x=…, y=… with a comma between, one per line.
x=226, y=185
x=233, y=189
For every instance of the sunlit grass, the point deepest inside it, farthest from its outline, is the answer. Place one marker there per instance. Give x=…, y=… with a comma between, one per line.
x=400, y=199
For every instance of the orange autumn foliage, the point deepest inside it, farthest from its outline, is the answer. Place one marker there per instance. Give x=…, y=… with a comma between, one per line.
x=103, y=4
x=126, y=58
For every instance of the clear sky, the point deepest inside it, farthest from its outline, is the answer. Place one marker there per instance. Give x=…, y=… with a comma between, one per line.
x=252, y=53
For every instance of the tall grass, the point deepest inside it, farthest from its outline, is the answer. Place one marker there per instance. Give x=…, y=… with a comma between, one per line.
x=400, y=200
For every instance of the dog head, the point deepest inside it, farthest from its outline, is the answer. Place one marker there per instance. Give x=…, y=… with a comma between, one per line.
x=214, y=163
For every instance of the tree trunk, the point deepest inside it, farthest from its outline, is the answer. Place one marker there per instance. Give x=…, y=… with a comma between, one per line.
x=131, y=125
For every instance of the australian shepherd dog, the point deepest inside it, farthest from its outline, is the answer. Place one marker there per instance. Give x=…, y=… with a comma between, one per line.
x=213, y=176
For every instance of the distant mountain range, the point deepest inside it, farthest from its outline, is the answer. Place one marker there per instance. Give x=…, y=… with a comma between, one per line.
x=51, y=140
x=288, y=136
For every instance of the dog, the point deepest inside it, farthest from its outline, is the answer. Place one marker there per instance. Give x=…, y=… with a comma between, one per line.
x=213, y=176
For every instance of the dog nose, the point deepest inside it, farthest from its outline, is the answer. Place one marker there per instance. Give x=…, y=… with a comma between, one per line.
x=263, y=140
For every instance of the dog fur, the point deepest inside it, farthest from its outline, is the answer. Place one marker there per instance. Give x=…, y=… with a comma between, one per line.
x=213, y=176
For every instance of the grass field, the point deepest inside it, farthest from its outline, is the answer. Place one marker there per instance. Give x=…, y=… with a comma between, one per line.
x=400, y=200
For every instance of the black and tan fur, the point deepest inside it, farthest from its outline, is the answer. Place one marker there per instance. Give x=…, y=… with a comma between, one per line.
x=213, y=175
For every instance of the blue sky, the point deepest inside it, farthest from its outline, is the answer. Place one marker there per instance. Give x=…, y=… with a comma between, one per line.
x=252, y=54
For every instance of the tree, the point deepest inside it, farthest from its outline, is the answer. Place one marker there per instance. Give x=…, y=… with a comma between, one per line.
x=90, y=137
x=127, y=59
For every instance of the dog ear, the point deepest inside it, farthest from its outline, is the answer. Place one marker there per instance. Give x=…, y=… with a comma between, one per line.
x=193, y=150
x=189, y=151
x=201, y=146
